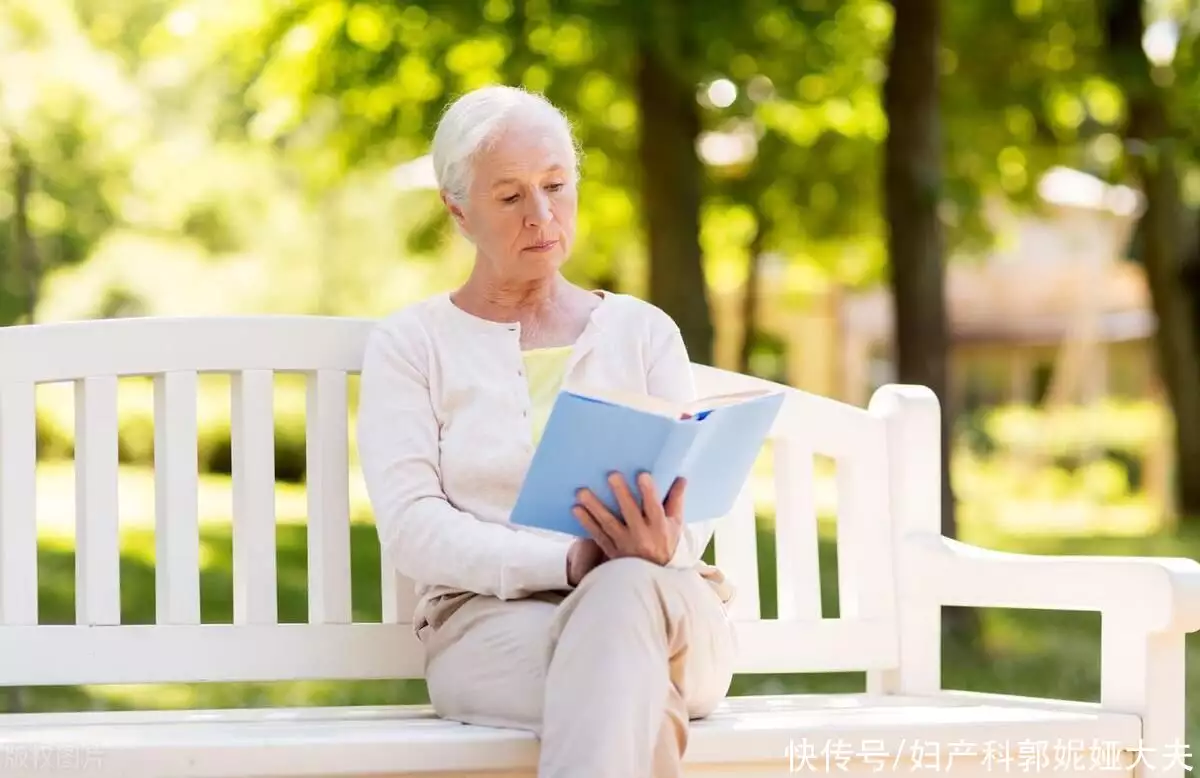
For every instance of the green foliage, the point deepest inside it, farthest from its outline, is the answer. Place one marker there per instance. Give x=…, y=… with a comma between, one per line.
x=70, y=113
x=792, y=119
x=263, y=135
x=1062, y=467
x=1112, y=424
x=805, y=103
x=151, y=197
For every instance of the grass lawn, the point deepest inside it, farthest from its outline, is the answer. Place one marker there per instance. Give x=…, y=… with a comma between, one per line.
x=1049, y=654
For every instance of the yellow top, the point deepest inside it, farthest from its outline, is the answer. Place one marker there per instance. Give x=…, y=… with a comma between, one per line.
x=544, y=371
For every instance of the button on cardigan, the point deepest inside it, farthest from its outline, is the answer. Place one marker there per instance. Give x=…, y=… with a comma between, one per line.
x=445, y=438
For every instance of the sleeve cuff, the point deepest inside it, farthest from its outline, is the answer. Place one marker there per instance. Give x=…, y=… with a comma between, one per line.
x=545, y=569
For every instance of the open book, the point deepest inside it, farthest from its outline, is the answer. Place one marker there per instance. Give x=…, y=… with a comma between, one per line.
x=712, y=443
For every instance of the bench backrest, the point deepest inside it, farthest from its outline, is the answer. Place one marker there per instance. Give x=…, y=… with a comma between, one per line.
x=178, y=647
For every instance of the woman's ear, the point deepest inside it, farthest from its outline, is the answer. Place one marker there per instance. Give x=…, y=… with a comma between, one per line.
x=456, y=213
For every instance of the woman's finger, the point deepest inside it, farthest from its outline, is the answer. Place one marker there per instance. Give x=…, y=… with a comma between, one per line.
x=634, y=519
x=589, y=523
x=652, y=504
x=674, y=503
x=608, y=523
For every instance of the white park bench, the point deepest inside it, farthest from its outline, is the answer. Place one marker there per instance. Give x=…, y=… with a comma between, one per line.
x=895, y=572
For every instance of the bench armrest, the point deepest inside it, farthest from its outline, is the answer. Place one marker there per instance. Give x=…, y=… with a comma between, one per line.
x=1161, y=594
x=1154, y=595
x=1147, y=605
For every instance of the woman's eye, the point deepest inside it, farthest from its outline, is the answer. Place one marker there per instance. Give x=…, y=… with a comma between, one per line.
x=510, y=199
x=555, y=187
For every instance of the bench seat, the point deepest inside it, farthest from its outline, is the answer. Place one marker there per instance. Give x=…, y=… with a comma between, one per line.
x=758, y=735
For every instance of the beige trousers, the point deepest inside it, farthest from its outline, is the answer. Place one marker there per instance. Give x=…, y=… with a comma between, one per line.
x=607, y=676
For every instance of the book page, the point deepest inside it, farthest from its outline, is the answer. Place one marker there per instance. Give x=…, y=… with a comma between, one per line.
x=641, y=402
x=718, y=400
x=658, y=405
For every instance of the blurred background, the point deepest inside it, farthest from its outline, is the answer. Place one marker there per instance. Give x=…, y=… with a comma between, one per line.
x=998, y=200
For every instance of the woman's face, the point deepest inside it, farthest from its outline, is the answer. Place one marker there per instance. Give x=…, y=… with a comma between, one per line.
x=521, y=207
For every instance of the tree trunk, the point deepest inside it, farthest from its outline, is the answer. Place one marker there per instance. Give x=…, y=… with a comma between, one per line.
x=672, y=178
x=23, y=245
x=1191, y=285
x=520, y=57
x=912, y=187
x=752, y=293
x=1151, y=152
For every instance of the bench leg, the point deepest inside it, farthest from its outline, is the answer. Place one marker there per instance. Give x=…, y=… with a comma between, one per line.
x=1144, y=674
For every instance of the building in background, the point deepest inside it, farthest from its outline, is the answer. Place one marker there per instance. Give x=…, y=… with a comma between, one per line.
x=1055, y=313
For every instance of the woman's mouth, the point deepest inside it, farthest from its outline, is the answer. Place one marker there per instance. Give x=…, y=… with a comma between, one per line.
x=544, y=246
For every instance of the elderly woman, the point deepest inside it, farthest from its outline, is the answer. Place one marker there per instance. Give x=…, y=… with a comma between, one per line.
x=604, y=647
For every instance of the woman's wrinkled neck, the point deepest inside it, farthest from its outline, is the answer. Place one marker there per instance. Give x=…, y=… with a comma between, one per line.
x=506, y=300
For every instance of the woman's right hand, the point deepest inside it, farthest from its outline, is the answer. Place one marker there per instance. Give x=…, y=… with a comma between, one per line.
x=652, y=533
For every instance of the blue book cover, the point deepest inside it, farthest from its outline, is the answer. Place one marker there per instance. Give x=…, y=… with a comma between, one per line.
x=713, y=444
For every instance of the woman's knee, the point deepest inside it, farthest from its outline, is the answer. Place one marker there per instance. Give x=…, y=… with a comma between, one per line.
x=623, y=574
x=631, y=578
x=629, y=595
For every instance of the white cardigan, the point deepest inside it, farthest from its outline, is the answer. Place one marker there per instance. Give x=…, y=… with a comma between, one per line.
x=444, y=439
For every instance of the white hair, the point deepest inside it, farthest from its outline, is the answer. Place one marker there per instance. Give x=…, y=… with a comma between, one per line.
x=475, y=119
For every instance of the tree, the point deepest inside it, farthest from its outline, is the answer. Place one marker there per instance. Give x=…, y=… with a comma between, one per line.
x=672, y=175
x=912, y=192
x=371, y=78
x=1153, y=152
x=63, y=170
x=912, y=186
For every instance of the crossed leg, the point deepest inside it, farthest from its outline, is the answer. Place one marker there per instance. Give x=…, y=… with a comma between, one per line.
x=608, y=677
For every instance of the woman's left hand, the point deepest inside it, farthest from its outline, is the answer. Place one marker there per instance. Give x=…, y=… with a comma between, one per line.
x=649, y=533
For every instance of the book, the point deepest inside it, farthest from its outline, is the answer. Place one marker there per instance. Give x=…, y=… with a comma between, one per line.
x=712, y=443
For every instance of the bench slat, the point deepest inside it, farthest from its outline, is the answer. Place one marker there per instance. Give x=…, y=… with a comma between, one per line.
x=64, y=654
x=736, y=542
x=97, y=532
x=830, y=427
x=18, y=515
x=169, y=653
x=796, y=548
x=176, y=528
x=327, y=440
x=864, y=532
x=146, y=346
x=253, y=458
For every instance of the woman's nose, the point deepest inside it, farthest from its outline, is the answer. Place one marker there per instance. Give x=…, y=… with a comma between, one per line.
x=539, y=210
